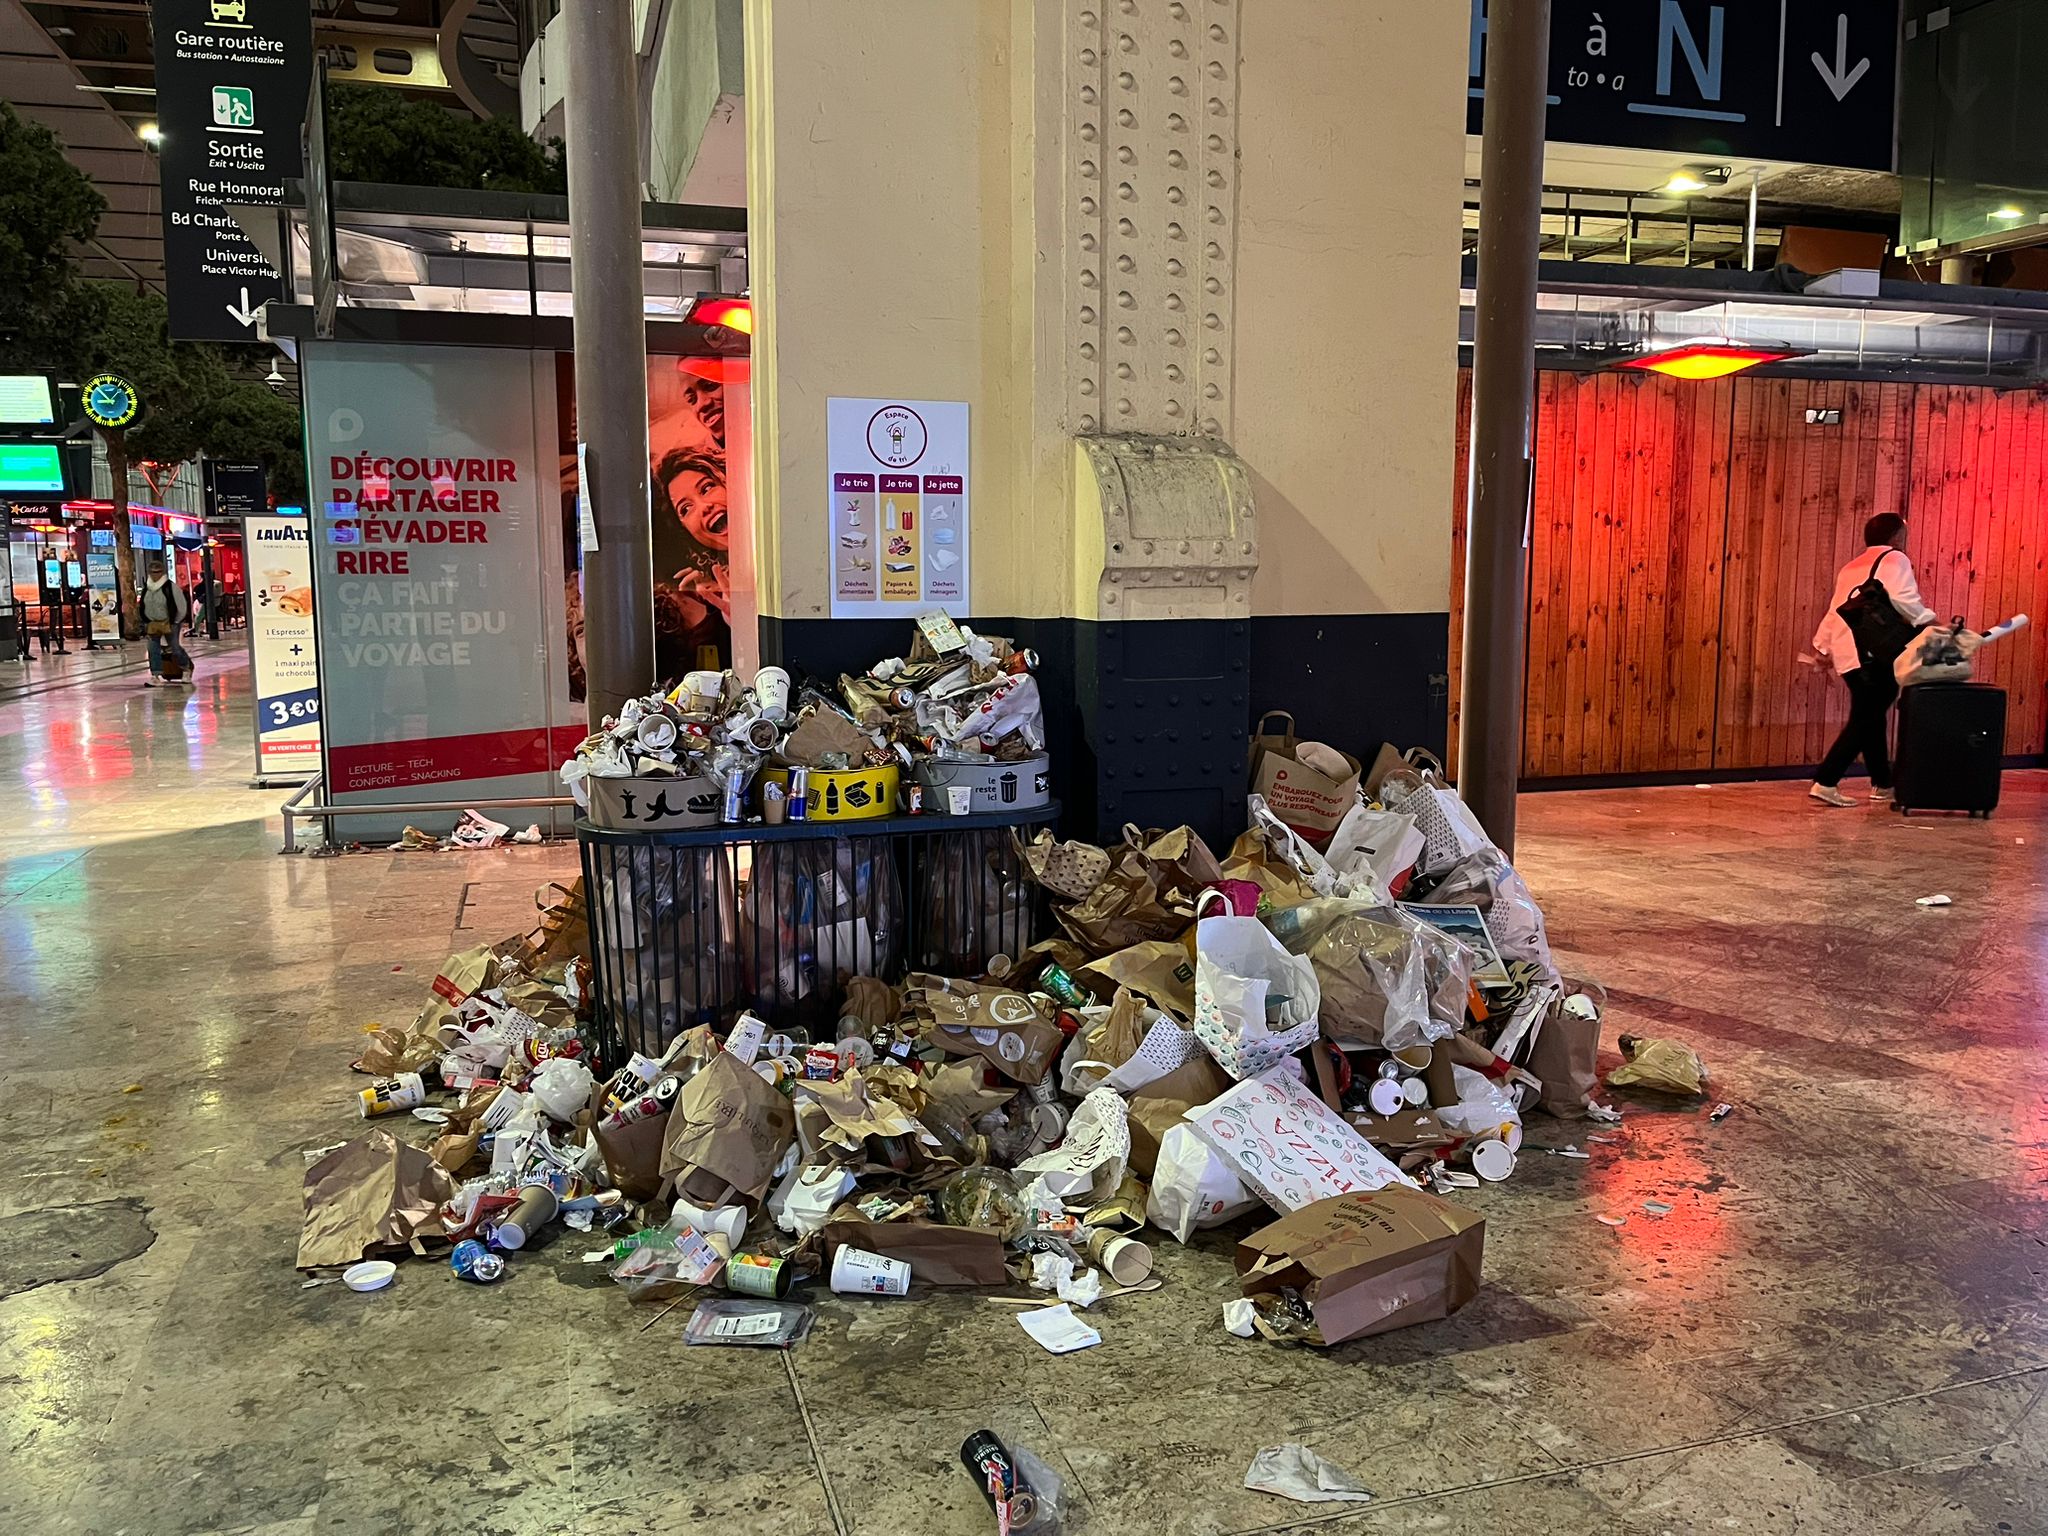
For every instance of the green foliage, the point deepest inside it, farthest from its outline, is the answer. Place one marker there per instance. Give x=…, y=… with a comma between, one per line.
x=376, y=134
x=45, y=204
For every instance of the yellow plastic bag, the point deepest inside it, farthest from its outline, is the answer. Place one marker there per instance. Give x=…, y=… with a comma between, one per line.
x=1664, y=1065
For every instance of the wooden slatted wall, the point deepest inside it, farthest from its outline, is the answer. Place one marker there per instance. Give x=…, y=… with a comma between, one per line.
x=1685, y=536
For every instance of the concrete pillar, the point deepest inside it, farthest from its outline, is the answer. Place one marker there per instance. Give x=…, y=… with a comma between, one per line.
x=1233, y=225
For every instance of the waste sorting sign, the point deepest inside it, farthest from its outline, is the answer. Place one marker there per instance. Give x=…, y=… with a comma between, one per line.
x=899, y=519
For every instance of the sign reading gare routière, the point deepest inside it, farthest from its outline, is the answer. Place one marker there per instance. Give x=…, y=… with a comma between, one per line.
x=232, y=77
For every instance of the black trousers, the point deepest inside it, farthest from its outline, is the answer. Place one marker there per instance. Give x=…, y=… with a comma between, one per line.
x=1871, y=692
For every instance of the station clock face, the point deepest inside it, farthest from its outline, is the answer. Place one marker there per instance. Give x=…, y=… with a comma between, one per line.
x=111, y=401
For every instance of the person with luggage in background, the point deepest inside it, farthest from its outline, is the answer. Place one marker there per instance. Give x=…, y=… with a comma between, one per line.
x=164, y=609
x=1875, y=610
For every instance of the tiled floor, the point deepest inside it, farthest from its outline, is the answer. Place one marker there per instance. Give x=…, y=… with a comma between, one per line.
x=1838, y=1328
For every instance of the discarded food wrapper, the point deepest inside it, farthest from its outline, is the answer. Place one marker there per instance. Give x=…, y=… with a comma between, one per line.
x=743, y=1321
x=1934, y=901
x=1664, y=1065
x=1295, y=1472
x=1058, y=1329
x=1289, y=1145
x=1720, y=1112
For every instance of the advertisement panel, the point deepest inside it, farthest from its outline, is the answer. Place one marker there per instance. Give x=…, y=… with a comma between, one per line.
x=437, y=575
x=105, y=601
x=283, y=646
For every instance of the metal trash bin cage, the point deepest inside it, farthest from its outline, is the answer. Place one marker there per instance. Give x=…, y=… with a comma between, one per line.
x=689, y=927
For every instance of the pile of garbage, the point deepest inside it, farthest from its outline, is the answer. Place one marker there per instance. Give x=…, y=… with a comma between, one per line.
x=1339, y=1023
x=904, y=733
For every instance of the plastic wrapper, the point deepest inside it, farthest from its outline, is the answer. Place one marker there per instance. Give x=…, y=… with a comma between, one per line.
x=1388, y=979
x=1484, y=1108
x=975, y=901
x=1663, y=1065
x=739, y=1320
x=818, y=912
x=1514, y=922
x=1450, y=831
x=982, y=1197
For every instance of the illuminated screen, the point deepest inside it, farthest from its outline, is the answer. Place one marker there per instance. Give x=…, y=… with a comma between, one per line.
x=25, y=400
x=31, y=467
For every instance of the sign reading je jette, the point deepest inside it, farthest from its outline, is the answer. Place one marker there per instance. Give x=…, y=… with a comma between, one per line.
x=428, y=522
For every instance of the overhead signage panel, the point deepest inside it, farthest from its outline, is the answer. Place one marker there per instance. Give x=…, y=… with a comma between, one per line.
x=1791, y=80
x=232, y=77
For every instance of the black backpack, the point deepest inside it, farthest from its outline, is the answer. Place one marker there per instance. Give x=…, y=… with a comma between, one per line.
x=1880, y=630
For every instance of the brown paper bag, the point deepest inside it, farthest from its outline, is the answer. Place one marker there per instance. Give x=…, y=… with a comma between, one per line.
x=1132, y=903
x=1159, y=1106
x=1068, y=870
x=392, y=1051
x=1159, y=970
x=1369, y=1261
x=1310, y=802
x=1183, y=861
x=1566, y=1057
x=726, y=1134
x=936, y=1254
x=374, y=1193
x=1253, y=857
x=632, y=1156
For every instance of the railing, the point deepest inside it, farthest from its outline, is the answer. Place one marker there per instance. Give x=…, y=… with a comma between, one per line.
x=689, y=927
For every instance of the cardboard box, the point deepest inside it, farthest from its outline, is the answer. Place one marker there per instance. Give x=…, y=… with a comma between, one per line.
x=1370, y=1261
x=654, y=804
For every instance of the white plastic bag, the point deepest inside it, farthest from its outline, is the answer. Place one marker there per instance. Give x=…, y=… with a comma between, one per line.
x=1287, y=844
x=1192, y=1187
x=1374, y=849
x=1089, y=1165
x=1514, y=922
x=1450, y=831
x=1255, y=1004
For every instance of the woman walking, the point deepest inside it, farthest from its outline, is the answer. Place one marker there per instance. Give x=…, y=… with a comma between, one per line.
x=1868, y=676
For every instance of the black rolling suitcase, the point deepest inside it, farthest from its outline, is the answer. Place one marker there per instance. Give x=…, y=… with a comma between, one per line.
x=1951, y=748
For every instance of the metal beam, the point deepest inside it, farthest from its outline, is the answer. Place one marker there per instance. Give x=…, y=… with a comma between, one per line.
x=1503, y=391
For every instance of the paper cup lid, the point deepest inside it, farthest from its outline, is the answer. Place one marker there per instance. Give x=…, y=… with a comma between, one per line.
x=1492, y=1161
x=1386, y=1096
x=1416, y=1091
x=370, y=1275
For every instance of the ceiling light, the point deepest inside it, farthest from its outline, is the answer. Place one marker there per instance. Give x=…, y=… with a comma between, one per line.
x=733, y=314
x=150, y=133
x=2008, y=212
x=1709, y=358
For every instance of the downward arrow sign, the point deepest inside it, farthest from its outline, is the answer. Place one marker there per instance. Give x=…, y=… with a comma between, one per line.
x=247, y=316
x=1840, y=78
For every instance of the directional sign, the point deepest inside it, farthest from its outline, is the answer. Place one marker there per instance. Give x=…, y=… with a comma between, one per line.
x=231, y=80
x=236, y=490
x=1798, y=80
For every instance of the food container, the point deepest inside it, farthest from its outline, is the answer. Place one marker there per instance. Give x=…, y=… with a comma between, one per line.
x=995, y=787
x=844, y=794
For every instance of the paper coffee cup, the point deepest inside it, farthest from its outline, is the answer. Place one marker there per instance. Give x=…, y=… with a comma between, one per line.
x=392, y=1095
x=959, y=799
x=656, y=733
x=1124, y=1259
x=726, y=1221
x=1387, y=1095
x=771, y=688
x=856, y=1272
x=1493, y=1161
x=703, y=689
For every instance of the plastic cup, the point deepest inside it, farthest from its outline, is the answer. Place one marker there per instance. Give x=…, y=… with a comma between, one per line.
x=856, y=1272
x=959, y=799
x=1493, y=1161
x=1387, y=1096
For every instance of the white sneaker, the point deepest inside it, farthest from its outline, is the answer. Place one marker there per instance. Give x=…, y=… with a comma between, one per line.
x=150, y=681
x=1827, y=794
x=1881, y=796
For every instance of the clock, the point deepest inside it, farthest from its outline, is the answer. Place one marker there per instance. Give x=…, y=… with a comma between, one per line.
x=111, y=401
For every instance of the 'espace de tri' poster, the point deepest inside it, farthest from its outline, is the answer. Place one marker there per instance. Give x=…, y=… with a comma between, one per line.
x=899, y=523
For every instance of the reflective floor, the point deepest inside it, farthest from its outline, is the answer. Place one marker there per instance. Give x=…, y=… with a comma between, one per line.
x=1838, y=1326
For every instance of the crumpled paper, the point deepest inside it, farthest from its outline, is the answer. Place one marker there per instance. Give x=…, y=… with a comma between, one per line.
x=1295, y=1472
x=371, y=1193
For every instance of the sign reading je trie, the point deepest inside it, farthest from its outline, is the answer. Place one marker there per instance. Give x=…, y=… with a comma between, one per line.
x=232, y=79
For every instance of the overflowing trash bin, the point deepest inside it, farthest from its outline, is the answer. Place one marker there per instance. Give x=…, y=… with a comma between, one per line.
x=760, y=1060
